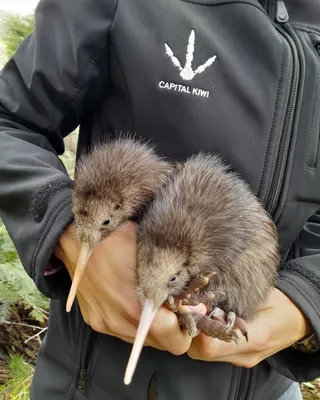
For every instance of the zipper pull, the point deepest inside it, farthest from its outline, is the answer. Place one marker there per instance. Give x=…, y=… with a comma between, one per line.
x=82, y=381
x=282, y=12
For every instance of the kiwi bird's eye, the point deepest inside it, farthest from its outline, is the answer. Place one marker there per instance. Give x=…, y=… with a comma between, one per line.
x=106, y=222
x=173, y=280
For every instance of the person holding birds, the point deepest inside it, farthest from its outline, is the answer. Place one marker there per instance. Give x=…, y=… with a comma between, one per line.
x=238, y=79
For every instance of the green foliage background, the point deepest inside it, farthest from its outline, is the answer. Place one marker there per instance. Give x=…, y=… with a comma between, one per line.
x=15, y=285
x=14, y=29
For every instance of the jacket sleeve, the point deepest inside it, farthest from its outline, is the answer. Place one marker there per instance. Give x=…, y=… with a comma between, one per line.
x=299, y=279
x=57, y=74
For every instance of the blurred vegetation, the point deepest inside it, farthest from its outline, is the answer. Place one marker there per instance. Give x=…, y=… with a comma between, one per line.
x=16, y=288
x=14, y=29
x=17, y=387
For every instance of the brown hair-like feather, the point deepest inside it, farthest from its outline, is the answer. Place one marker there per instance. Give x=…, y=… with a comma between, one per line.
x=113, y=183
x=207, y=219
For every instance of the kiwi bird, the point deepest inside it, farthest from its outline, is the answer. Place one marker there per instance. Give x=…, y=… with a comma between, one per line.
x=113, y=183
x=205, y=238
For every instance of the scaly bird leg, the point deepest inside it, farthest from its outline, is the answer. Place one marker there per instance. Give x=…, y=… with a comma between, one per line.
x=196, y=322
x=238, y=323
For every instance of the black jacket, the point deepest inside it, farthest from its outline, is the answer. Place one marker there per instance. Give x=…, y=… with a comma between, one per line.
x=116, y=65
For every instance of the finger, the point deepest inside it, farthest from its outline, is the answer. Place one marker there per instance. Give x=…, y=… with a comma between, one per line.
x=206, y=348
x=200, y=308
x=165, y=330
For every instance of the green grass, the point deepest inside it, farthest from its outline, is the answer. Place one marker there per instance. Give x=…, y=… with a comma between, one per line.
x=18, y=387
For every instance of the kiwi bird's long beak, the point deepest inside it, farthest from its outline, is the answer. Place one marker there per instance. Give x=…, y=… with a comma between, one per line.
x=148, y=313
x=81, y=266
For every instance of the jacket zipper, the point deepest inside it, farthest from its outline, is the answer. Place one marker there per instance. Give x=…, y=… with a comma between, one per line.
x=314, y=148
x=282, y=18
x=89, y=356
x=243, y=384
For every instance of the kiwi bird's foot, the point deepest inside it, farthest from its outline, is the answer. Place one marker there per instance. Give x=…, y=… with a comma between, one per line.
x=195, y=323
x=237, y=323
x=188, y=322
x=198, y=282
x=197, y=298
x=191, y=296
x=218, y=315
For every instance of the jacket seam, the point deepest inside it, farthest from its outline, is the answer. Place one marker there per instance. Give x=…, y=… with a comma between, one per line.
x=55, y=213
x=273, y=119
x=307, y=29
x=119, y=68
x=76, y=87
x=302, y=293
x=315, y=107
x=25, y=124
x=301, y=277
x=290, y=271
x=211, y=3
x=124, y=84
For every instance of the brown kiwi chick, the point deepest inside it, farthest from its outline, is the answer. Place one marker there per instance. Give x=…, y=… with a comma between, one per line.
x=113, y=183
x=205, y=229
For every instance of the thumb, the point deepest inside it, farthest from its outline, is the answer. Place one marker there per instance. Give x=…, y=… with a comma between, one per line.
x=200, y=308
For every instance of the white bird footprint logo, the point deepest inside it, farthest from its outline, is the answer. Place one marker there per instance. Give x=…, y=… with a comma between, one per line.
x=187, y=73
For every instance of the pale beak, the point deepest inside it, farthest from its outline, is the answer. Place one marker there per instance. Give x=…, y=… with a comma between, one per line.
x=81, y=266
x=147, y=316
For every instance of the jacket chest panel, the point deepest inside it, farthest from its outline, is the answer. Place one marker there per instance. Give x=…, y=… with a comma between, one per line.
x=210, y=84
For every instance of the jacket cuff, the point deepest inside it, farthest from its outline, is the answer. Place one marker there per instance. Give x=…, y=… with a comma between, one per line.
x=58, y=216
x=300, y=285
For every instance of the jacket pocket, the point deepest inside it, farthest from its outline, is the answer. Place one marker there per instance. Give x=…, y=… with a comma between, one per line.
x=314, y=134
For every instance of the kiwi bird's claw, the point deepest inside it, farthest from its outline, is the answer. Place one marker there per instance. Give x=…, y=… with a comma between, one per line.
x=170, y=300
x=243, y=327
x=198, y=282
x=197, y=298
x=237, y=323
x=188, y=322
x=231, y=319
x=207, y=326
x=172, y=303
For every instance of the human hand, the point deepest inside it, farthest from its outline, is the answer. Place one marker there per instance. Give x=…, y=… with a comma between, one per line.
x=278, y=325
x=107, y=296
